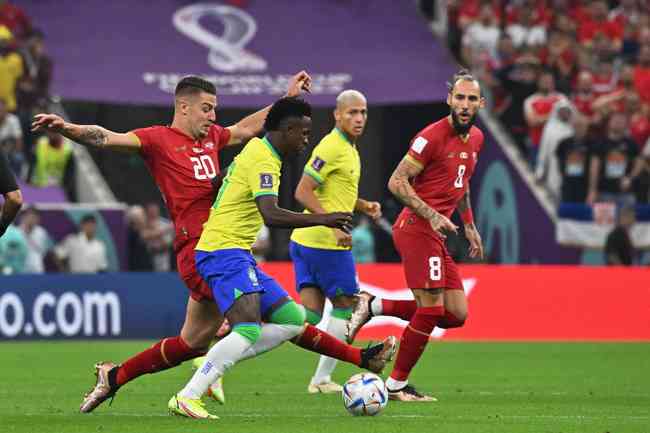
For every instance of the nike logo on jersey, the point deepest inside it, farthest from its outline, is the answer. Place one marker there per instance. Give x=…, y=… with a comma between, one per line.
x=209, y=145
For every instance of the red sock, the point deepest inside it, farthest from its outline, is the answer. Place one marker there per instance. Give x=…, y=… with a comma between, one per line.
x=414, y=340
x=164, y=354
x=321, y=342
x=398, y=308
x=450, y=321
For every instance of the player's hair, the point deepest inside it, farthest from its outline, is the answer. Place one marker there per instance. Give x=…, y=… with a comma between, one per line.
x=192, y=84
x=464, y=75
x=285, y=108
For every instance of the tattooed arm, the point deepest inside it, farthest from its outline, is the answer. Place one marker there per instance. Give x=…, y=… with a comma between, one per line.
x=400, y=185
x=471, y=232
x=88, y=135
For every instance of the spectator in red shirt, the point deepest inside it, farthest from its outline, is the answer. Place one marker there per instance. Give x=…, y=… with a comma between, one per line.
x=537, y=108
x=583, y=96
x=596, y=23
x=642, y=74
x=626, y=13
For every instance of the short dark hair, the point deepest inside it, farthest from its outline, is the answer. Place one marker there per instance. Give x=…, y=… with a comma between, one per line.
x=285, y=108
x=464, y=75
x=88, y=218
x=194, y=84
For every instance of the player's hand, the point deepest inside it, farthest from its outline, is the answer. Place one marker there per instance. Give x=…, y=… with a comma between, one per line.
x=475, y=242
x=301, y=82
x=343, y=239
x=441, y=224
x=373, y=210
x=337, y=220
x=50, y=122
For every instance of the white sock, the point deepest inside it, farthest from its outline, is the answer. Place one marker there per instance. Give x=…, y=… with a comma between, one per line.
x=376, y=306
x=394, y=385
x=272, y=336
x=326, y=365
x=220, y=358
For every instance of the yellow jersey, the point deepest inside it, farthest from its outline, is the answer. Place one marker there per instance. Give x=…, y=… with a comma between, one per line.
x=234, y=218
x=336, y=166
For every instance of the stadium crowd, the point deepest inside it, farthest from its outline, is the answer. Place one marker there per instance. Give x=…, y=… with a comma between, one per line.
x=570, y=80
x=25, y=76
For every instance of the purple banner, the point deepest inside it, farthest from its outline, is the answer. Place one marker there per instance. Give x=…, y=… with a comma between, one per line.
x=514, y=226
x=135, y=51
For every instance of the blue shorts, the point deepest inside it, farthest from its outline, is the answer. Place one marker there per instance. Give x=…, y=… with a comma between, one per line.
x=332, y=271
x=233, y=272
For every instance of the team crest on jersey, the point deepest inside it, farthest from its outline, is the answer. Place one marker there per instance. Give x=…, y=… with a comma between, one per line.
x=197, y=150
x=463, y=155
x=317, y=164
x=266, y=180
x=209, y=145
x=252, y=275
x=419, y=144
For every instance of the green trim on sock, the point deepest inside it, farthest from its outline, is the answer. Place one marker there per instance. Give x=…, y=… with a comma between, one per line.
x=312, y=317
x=250, y=331
x=289, y=314
x=342, y=313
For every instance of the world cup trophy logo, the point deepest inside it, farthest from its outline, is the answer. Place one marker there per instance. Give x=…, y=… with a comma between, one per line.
x=226, y=51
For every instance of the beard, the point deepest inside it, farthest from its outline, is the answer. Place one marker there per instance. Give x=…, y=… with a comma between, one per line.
x=460, y=128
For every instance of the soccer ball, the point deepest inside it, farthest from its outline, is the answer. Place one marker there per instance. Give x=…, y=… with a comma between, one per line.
x=365, y=394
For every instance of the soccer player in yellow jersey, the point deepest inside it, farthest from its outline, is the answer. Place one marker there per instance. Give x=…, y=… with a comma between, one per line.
x=322, y=258
x=246, y=295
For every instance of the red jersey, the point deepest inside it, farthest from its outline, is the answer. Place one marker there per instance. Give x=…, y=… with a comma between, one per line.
x=447, y=163
x=183, y=169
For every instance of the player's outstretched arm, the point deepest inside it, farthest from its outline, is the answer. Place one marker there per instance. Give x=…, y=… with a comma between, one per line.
x=275, y=216
x=370, y=208
x=400, y=185
x=88, y=135
x=252, y=125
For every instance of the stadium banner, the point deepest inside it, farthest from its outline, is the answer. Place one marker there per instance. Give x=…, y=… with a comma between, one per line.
x=587, y=226
x=505, y=303
x=133, y=52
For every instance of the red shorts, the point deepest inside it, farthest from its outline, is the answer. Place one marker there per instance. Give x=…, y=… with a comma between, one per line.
x=199, y=289
x=427, y=263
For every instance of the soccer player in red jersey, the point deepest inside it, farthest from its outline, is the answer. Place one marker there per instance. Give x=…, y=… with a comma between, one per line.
x=184, y=160
x=431, y=181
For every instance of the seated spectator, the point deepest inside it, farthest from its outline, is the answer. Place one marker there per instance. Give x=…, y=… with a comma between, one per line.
x=524, y=32
x=558, y=127
x=11, y=69
x=14, y=19
x=363, y=242
x=11, y=140
x=158, y=234
x=139, y=257
x=480, y=40
x=13, y=251
x=537, y=109
x=583, y=97
x=638, y=179
x=639, y=118
x=573, y=163
x=53, y=152
x=598, y=23
x=611, y=160
x=619, y=250
x=82, y=252
x=38, y=240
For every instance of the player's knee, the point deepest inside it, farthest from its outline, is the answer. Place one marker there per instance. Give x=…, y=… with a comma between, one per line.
x=250, y=331
x=290, y=314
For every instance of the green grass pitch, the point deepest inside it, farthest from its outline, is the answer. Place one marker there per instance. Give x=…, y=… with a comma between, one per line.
x=482, y=387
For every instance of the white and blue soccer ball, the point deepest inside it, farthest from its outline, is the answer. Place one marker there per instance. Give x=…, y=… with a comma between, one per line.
x=365, y=394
